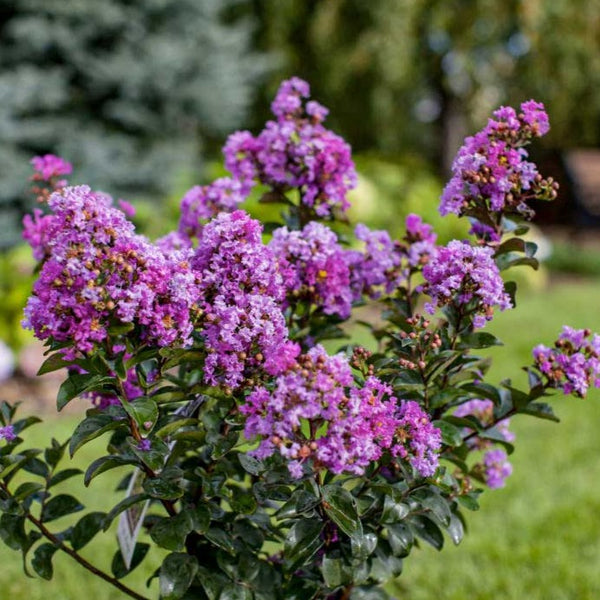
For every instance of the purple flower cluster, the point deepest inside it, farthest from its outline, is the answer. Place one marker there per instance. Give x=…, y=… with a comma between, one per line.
x=416, y=439
x=201, y=203
x=468, y=277
x=347, y=426
x=241, y=295
x=490, y=173
x=314, y=268
x=7, y=433
x=98, y=272
x=496, y=468
x=295, y=151
x=574, y=363
x=50, y=166
x=317, y=413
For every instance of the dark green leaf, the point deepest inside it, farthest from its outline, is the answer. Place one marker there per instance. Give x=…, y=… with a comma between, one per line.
x=60, y=506
x=340, y=506
x=368, y=593
x=176, y=575
x=163, y=489
x=455, y=529
x=12, y=531
x=42, y=560
x=144, y=411
x=77, y=383
x=63, y=476
x=221, y=539
x=541, y=410
x=451, y=435
x=235, y=591
x=400, y=538
x=393, y=511
x=302, y=542
x=86, y=528
x=53, y=363
x=301, y=501
x=123, y=505
x=105, y=463
x=428, y=531
x=384, y=565
x=250, y=464
x=27, y=489
x=170, y=532
x=200, y=516
x=335, y=572
x=363, y=545
x=91, y=428
x=242, y=501
x=119, y=568
x=479, y=339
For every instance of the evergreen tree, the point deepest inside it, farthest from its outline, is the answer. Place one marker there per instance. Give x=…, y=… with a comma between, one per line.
x=127, y=90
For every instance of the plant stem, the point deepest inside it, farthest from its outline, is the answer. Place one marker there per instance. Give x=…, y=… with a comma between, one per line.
x=82, y=561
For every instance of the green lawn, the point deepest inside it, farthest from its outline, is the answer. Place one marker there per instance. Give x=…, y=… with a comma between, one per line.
x=536, y=539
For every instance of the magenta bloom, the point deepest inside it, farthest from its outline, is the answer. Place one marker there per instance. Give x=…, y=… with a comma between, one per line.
x=314, y=267
x=573, y=364
x=295, y=151
x=466, y=276
x=7, y=433
x=49, y=166
x=490, y=172
x=348, y=427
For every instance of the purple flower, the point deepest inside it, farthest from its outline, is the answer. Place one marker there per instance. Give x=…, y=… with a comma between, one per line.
x=7, y=433
x=490, y=173
x=416, y=439
x=295, y=151
x=573, y=364
x=50, y=166
x=314, y=268
x=204, y=202
x=347, y=427
x=497, y=468
x=467, y=277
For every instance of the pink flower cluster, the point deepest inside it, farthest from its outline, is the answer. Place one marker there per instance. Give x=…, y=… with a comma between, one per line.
x=314, y=268
x=50, y=166
x=317, y=414
x=241, y=295
x=574, y=363
x=98, y=273
x=7, y=433
x=467, y=277
x=201, y=203
x=295, y=151
x=491, y=173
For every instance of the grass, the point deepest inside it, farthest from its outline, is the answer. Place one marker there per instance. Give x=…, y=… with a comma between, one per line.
x=536, y=539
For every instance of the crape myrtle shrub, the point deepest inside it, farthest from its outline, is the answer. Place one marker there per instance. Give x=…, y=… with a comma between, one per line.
x=131, y=89
x=273, y=468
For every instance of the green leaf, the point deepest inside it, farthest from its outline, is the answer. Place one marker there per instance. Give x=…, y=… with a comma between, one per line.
x=27, y=489
x=221, y=539
x=119, y=568
x=479, y=339
x=340, y=506
x=451, y=435
x=400, y=538
x=541, y=410
x=60, y=506
x=163, y=489
x=212, y=582
x=335, y=572
x=368, y=593
x=302, y=542
x=105, y=463
x=170, y=532
x=200, y=516
x=469, y=501
x=91, y=428
x=86, y=528
x=63, y=476
x=242, y=501
x=234, y=591
x=384, y=565
x=301, y=501
x=428, y=531
x=176, y=575
x=77, y=384
x=123, y=505
x=53, y=363
x=455, y=529
x=12, y=531
x=363, y=545
x=393, y=511
x=250, y=464
x=42, y=560
x=144, y=411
